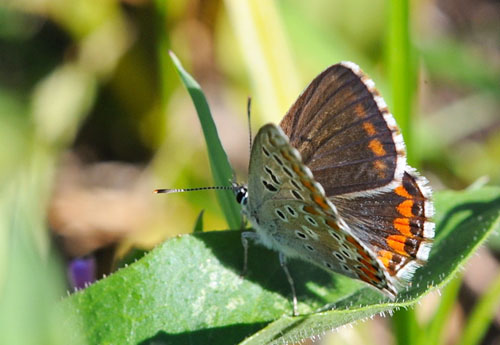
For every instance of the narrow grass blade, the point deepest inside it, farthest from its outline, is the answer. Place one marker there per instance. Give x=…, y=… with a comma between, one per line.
x=258, y=27
x=402, y=70
x=435, y=328
x=405, y=326
x=198, y=225
x=482, y=314
x=219, y=163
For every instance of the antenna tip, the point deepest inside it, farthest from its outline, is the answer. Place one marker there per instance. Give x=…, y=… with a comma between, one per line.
x=157, y=191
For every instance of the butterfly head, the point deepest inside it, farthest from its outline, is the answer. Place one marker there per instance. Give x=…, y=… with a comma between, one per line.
x=241, y=194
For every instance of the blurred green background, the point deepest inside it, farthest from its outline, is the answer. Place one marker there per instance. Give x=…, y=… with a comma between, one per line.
x=94, y=117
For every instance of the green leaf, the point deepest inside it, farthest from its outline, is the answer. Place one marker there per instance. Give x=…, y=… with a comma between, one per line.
x=198, y=225
x=188, y=290
x=219, y=163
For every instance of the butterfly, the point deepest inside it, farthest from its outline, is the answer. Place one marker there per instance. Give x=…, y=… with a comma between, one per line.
x=330, y=185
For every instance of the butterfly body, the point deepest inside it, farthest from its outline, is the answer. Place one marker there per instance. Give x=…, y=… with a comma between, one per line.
x=331, y=185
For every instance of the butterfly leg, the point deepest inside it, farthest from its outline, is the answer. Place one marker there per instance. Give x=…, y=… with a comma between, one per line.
x=245, y=235
x=290, y=281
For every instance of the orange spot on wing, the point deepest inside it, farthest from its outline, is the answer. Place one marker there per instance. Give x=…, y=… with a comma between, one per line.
x=385, y=256
x=397, y=242
x=360, y=110
x=285, y=154
x=401, y=191
x=380, y=167
x=320, y=201
x=297, y=170
x=403, y=226
x=354, y=242
x=376, y=146
x=364, y=254
x=361, y=250
x=331, y=224
x=307, y=184
x=365, y=278
x=311, y=210
x=368, y=265
x=370, y=275
x=405, y=207
x=369, y=128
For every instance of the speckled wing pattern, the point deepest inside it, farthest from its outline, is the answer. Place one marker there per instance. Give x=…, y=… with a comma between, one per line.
x=353, y=148
x=291, y=214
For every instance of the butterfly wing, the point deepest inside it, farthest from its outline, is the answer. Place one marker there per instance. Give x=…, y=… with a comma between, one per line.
x=394, y=225
x=291, y=214
x=351, y=143
x=344, y=132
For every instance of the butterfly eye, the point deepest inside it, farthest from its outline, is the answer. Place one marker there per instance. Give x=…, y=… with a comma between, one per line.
x=242, y=196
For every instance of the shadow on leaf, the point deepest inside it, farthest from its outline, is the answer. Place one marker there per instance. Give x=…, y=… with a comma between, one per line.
x=219, y=335
x=264, y=269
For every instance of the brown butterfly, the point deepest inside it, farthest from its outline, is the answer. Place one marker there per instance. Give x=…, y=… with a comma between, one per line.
x=331, y=185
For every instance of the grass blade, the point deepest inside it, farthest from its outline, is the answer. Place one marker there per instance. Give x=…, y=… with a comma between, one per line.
x=405, y=323
x=482, y=315
x=198, y=225
x=219, y=163
x=436, y=326
x=258, y=27
x=406, y=327
x=401, y=70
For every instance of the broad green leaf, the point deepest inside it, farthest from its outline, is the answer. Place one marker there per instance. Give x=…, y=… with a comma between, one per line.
x=188, y=290
x=219, y=163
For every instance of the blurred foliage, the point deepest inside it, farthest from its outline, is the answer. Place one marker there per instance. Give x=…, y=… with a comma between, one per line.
x=93, y=118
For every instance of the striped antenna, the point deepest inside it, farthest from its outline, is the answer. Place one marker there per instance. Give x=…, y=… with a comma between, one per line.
x=249, y=105
x=168, y=191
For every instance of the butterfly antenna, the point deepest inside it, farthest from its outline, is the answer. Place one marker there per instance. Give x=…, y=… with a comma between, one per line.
x=180, y=190
x=249, y=104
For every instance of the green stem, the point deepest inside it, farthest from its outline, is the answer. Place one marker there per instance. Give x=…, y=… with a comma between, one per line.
x=406, y=328
x=162, y=53
x=405, y=322
x=481, y=316
x=401, y=69
x=434, y=332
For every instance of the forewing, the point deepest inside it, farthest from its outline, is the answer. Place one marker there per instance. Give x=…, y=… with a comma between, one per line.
x=344, y=132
